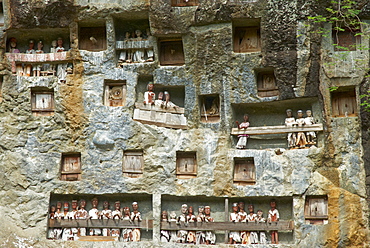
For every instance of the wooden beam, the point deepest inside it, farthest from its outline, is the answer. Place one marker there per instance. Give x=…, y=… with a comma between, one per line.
x=97, y=238
x=56, y=223
x=276, y=130
x=40, y=58
x=149, y=107
x=230, y=226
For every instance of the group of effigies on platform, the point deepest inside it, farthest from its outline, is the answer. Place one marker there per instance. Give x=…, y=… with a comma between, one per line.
x=187, y=216
x=40, y=69
x=135, y=48
x=300, y=139
x=238, y=214
x=79, y=212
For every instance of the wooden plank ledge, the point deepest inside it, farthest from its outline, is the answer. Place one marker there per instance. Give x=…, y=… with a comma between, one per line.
x=149, y=107
x=230, y=226
x=97, y=238
x=39, y=58
x=57, y=223
x=276, y=130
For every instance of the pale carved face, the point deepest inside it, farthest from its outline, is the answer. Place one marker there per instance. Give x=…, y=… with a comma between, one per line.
x=126, y=211
x=135, y=207
x=184, y=209
x=200, y=210
x=308, y=113
x=150, y=87
x=259, y=213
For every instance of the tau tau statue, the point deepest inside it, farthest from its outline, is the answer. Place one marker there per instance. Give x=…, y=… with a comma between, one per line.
x=30, y=50
x=173, y=220
x=165, y=234
x=105, y=214
x=135, y=216
x=71, y=233
x=82, y=215
x=200, y=235
x=164, y=101
x=38, y=68
x=260, y=219
x=182, y=234
x=234, y=236
x=242, y=215
x=58, y=215
x=309, y=120
x=94, y=214
x=191, y=218
x=51, y=234
x=290, y=122
x=210, y=235
x=242, y=142
x=301, y=137
x=273, y=216
x=149, y=95
x=117, y=215
x=251, y=237
x=127, y=232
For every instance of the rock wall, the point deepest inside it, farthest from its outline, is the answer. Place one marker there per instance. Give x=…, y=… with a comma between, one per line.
x=31, y=146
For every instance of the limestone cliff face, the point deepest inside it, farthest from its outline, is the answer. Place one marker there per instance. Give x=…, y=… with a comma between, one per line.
x=304, y=66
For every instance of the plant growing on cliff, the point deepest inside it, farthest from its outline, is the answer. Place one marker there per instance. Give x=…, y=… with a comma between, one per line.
x=343, y=15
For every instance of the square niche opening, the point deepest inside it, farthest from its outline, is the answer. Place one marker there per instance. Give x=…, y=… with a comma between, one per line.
x=114, y=93
x=316, y=210
x=244, y=171
x=186, y=165
x=210, y=108
x=71, y=167
x=346, y=40
x=133, y=163
x=266, y=84
x=171, y=52
x=184, y=3
x=343, y=102
x=42, y=101
x=246, y=35
x=93, y=37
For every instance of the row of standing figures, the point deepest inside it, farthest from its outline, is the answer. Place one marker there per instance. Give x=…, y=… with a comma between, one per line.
x=138, y=55
x=238, y=214
x=36, y=69
x=80, y=213
x=295, y=140
x=187, y=216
